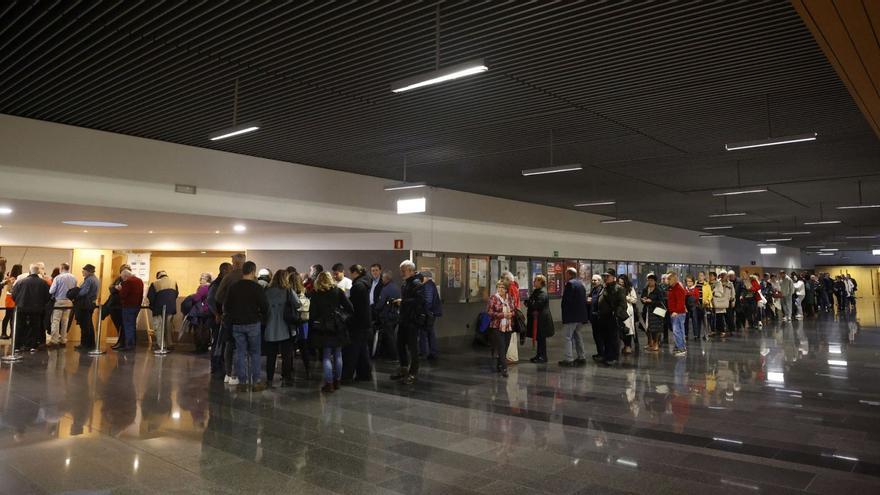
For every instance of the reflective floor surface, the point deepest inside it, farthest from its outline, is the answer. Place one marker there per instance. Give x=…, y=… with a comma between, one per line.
x=793, y=408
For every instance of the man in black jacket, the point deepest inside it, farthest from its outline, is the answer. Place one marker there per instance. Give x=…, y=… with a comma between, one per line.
x=31, y=295
x=612, y=312
x=413, y=316
x=247, y=309
x=356, y=355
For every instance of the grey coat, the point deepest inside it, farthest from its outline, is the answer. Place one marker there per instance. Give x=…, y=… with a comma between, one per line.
x=276, y=328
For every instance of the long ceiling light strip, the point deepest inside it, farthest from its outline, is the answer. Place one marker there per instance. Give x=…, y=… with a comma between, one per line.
x=857, y=207
x=804, y=232
x=823, y=222
x=552, y=170
x=616, y=220
x=860, y=237
x=405, y=185
x=725, y=215
x=437, y=76
x=781, y=239
x=597, y=203
x=737, y=193
x=719, y=227
x=798, y=138
x=236, y=129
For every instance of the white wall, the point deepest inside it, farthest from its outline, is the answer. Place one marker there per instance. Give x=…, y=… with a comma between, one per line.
x=88, y=167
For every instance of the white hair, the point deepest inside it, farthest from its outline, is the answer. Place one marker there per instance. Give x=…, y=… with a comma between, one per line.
x=731, y=272
x=408, y=264
x=597, y=278
x=506, y=274
x=34, y=268
x=125, y=273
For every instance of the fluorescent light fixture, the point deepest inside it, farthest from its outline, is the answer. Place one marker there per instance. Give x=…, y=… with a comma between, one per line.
x=781, y=239
x=860, y=237
x=234, y=131
x=876, y=252
x=727, y=440
x=836, y=362
x=405, y=185
x=598, y=203
x=627, y=462
x=829, y=249
x=823, y=222
x=616, y=220
x=804, y=232
x=552, y=170
x=711, y=235
x=414, y=205
x=768, y=250
x=90, y=223
x=718, y=227
x=723, y=215
x=857, y=207
x=737, y=193
x=239, y=227
x=810, y=136
x=5, y=210
x=447, y=73
x=845, y=457
x=825, y=254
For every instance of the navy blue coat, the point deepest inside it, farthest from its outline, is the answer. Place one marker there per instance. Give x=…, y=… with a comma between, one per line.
x=574, y=302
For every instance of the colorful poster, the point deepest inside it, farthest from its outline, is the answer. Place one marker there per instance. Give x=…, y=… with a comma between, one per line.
x=554, y=278
x=522, y=275
x=584, y=271
x=473, y=278
x=453, y=272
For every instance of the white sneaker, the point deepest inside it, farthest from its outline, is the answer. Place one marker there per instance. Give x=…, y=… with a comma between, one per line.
x=681, y=353
x=226, y=378
x=232, y=380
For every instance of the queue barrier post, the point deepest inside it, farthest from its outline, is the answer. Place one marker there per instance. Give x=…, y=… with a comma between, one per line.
x=13, y=356
x=161, y=351
x=97, y=350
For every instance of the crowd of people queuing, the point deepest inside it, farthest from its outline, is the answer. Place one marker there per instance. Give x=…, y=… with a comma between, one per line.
x=347, y=319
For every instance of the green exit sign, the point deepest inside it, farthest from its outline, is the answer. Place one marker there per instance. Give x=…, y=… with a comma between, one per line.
x=555, y=254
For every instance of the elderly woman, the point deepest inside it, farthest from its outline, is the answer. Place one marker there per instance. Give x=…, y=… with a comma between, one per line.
x=539, y=320
x=500, y=310
x=200, y=315
x=513, y=292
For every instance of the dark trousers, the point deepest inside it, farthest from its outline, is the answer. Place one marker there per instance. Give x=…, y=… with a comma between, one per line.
x=29, y=326
x=610, y=337
x=216, y=348
x=7, y=319
x=719, y=319
x=428, y=341
x=356, y=357
x=86, y=327
x=730, y=316
x=129, y=323
x=285, y=347
x=542, y=347
x=116, y=318
x=500, y=342
x=597, y=335
x=694, y=322
x=408, y=348
x=387, y=346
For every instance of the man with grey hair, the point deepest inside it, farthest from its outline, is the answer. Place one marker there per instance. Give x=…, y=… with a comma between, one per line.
x=413, y=317
x=388, y=315
x=61, y=285
x=84, y=307
x=786, y=287
x=31, y=296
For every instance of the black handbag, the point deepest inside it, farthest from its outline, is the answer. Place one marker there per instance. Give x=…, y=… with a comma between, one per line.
x=290, y=314
x=519, y=322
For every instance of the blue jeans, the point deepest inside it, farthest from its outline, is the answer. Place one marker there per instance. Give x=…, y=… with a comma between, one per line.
x=247, y=344
x=573, y=346
x=332, y=355
x=129, y=324
x=678, y=331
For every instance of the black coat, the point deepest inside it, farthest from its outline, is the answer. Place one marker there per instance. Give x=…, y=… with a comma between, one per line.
x=321, y=307
x=31, y=294
x=413, y=306
x=359, y=296
x=658, y=300
x=612, y=302
x=539, y=316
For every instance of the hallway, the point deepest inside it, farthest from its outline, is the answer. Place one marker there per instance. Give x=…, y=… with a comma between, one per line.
x=789, y=409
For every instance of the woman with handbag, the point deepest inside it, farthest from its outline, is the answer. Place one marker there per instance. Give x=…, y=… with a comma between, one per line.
x=653, y=312
x=295, y=280
x=513, y=292
x=281, y=328
x=628, y=329
x=329, y=310
x=500, y=311
x=540, y=322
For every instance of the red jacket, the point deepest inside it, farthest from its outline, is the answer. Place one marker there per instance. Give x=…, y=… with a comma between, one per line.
x=131, y=295
x=675, y=299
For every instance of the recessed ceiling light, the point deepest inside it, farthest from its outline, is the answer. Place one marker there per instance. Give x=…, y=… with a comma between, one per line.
x=412, y=205
x=85, y=231
x=216, y=231
x=772, y=141
x=823, y=222
x=723, y=215
x=150, y=232
x=781, y=239
x=857, y=207
x=444, y=74
x=239, y=227
x=5, y=210
x=91, y=223
x=204, y=252
x=552, y=170
x=718, y=227
x=796, y=233
x=597, y=203
x=737, y=193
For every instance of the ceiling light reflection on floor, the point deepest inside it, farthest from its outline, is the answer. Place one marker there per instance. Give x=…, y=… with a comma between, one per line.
x=776, y=376
x=836, y=362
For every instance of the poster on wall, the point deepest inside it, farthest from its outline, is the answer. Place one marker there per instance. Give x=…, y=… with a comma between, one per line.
x=453, y=272
x=483, y=267
x=585, y=271
x=140, y=265
x=474, y=278
x=554, y=278
x=522, y=277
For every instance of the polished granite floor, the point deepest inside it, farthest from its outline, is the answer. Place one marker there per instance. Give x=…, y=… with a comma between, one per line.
x=793, y=408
